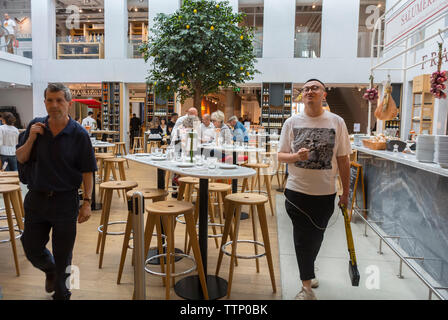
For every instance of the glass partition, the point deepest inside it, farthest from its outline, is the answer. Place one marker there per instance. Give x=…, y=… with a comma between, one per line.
x=308, y=28
x=137, y=26
x=15, y=27
x=80, y=29
x=369, y=13
x=254, y=18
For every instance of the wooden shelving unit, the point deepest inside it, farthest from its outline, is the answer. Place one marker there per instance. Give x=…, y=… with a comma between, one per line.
x=112, y=112
x=157, y=107
x=86, y=42
x=138, y=32
x=422, y=105
x=276, y=105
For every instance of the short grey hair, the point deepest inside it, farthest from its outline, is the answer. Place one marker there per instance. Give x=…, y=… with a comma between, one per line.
x=56, y=87
x=233, y=118
x=218, y=116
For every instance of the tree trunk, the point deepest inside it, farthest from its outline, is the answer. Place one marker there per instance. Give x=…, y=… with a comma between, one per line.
x=197, y=100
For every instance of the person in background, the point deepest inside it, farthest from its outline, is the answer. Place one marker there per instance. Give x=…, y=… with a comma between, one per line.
x=9, y=138
x=1, y=119
x=207, y=129
x=89, y=121
x=134, y=127
x=163, y=128
x=58, y=155
x=224, y=132
x=172, y=122
x=10, y=25
x=239, y=130
x=315, y=144
x=98, y=121
x=192, y=113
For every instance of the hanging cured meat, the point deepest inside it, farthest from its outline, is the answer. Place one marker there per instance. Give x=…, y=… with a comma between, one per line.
x=387, y=109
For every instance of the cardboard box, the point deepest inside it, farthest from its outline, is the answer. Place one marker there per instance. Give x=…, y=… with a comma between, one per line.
x=421, y=83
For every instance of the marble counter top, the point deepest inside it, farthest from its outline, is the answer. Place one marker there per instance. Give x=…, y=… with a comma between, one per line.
x=404, y=158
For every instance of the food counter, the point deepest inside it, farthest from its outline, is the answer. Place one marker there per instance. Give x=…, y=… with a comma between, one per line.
x=410, y=198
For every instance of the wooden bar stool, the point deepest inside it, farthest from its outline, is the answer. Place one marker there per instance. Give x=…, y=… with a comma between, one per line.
x=108, y=188
x=233, y=204
x=120, y=150
x=16, y=200
x=167, y=211
x=153, y=144
x=138, y=145
x=258, y=167
x=8, y=191
x=100, y=162
x=185, y=192
x=110, y=166
x=148, y=194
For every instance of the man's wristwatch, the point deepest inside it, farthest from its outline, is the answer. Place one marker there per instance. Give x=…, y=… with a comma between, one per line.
x=88, y=199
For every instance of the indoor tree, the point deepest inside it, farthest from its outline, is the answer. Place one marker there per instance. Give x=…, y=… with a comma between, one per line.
x=199, y=49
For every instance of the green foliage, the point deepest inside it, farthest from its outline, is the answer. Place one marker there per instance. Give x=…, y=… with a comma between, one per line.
x=199, y=49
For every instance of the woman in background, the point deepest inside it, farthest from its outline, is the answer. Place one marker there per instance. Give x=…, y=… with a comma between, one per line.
x=9, y=138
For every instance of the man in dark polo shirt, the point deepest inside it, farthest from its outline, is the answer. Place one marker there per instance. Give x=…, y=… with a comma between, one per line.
x=55, y=155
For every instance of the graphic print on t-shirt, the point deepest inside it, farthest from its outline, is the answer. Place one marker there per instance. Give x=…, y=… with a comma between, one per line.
x=320, y=142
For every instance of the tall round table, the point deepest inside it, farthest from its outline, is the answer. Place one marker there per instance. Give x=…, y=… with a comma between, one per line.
x=189, y=287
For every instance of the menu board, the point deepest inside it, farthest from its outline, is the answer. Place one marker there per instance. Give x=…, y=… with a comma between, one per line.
x=355, y=178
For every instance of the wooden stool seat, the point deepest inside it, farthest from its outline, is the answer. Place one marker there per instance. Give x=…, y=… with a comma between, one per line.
x=10, y=180
x=256, y=165
x=116, y=160
x=247, y=198
x=9, y=192
x=9, y=188
x=103, y=155
x=6, y=174
x=114, y=185
x=218, y=187
x=189, y=180
x=169, y=207
x=120, y=149
x=233, y=204
x=163, y=213
x=148, y=193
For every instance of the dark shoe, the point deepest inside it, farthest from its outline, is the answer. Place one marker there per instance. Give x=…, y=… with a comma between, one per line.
x=50, y=282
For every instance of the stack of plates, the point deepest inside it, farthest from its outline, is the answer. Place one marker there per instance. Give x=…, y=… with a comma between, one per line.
x=425, y=148
x=441, y=151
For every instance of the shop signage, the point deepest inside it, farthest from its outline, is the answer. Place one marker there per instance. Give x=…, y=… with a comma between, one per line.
x=413, y=14
x=434, y=59
x=86, y=92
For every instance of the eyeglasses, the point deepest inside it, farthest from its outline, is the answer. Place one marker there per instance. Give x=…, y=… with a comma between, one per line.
x=312, y=88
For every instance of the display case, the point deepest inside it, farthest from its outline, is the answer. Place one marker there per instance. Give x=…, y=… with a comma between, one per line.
x=422, y=106
x=86, y=42
x=112, y=98
x=276, y=104
x=138, y=33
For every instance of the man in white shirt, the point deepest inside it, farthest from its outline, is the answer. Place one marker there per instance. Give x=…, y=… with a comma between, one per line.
x=207, y=129
x=10, y=25
x=89, y=121
x=190, y=112
x=316, y=145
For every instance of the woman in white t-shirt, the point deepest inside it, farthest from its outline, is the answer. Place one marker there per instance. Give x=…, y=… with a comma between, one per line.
x=9, y=138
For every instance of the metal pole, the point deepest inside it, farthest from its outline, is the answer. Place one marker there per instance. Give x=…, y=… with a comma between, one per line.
x=138, y=210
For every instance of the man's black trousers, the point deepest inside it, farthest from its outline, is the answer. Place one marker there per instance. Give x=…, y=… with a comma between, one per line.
x=307, y=237
x=57, y=212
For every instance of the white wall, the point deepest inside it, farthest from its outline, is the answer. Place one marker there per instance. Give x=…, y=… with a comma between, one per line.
x=22, y=99
x=15, y=69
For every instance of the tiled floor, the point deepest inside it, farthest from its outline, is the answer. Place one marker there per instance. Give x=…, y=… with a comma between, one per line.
x=332, y=265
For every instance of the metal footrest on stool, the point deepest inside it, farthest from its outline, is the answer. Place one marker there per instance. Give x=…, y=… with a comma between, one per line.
x=261, y=244
x=100, y=228
x=183, y=255
x=7, y=230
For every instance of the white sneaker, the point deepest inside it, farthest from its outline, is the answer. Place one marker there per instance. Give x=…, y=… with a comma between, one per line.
x=314, y=283
x=306, y=294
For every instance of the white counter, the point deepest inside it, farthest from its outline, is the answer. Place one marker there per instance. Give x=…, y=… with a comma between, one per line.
x=404, y=158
